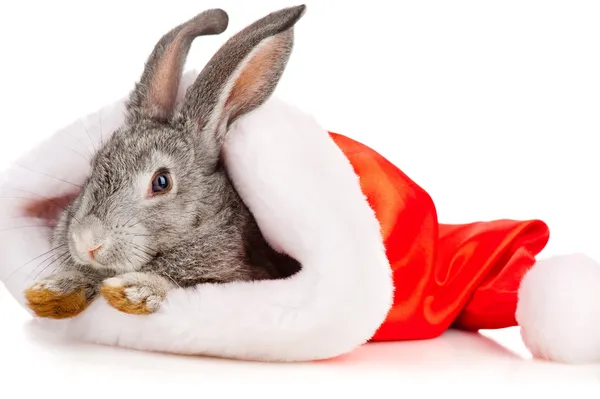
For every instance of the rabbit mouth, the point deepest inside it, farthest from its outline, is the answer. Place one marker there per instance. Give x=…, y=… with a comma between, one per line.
x=111, y=255
x=110, y=262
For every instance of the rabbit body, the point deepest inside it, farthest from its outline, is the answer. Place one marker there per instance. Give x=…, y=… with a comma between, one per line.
x=158, y=210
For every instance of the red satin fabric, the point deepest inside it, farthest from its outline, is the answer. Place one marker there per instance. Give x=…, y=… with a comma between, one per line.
x=464, y=276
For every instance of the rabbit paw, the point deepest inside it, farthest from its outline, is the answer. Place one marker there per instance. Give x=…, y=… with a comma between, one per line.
x=57, y=297
x=135, y=293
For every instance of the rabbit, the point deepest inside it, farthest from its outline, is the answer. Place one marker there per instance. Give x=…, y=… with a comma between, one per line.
x=158, y=210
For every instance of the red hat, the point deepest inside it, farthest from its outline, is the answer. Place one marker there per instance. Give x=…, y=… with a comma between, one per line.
x=479, y=275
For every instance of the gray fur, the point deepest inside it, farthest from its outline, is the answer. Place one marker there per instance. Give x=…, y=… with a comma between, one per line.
x=200, y=232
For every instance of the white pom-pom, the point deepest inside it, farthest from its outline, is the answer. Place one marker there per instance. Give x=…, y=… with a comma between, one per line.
x=557, y=309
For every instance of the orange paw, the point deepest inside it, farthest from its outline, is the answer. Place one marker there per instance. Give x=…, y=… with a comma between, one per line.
x=118, y=299
x=135, y=293
x=48, y=303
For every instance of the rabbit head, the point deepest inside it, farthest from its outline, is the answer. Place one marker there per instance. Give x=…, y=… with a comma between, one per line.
x=159, y=175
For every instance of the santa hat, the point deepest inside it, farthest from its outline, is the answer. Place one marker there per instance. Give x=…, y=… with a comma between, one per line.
x=377, y=264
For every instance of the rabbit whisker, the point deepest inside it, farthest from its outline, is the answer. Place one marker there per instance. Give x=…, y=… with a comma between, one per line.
x=78, y=153
x=57, y=267
x=37, y=257
x=84, y=146
x=49, y=175
x=129, y=220
x=141, y=249
x=139, y=221
x=64, y=257
x=101, y=129
x=127, y=257
x=170, y=278
x=88, y=134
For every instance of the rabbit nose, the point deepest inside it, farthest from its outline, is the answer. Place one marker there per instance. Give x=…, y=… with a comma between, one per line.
x=88, y=238
x=92, y=252
x=87, y=244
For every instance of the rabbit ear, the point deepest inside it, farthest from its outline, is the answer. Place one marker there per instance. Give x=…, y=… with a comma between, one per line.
x=154, y=95
x=240, y=76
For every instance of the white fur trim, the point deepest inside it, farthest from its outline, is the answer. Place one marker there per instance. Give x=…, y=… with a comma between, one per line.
x=308, y=203
x=556, y=309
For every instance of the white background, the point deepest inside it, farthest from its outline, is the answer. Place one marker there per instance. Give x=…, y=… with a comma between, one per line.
x=492, y=107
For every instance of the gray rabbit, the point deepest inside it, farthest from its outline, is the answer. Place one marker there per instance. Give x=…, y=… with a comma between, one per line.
x=158, y=210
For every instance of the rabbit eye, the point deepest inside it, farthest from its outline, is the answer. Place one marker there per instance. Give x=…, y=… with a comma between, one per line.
x=161, y=183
